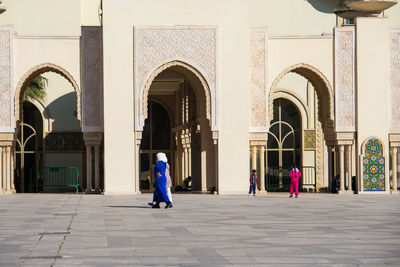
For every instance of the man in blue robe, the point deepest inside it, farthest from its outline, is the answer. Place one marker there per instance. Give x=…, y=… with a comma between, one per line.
x=160, y=189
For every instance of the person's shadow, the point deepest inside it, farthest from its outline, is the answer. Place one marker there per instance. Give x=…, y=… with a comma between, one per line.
x=129, y=207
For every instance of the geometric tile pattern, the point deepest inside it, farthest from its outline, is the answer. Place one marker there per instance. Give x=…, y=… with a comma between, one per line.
x=374, y=166
x=309, y=139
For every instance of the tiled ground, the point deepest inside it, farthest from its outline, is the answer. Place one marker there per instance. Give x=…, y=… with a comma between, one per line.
x=201, y=230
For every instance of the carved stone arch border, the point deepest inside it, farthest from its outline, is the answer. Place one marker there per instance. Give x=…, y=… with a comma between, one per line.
x=34, y=72
x=322, y=86
x=143, y=93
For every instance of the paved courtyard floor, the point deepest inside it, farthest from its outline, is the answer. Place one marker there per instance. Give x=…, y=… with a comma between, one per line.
x=201, y=230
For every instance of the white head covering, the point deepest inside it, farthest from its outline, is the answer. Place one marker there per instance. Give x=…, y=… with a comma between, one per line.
x=162, y=157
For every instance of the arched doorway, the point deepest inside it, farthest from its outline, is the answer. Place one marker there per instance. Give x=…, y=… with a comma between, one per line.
x=156, y=138
x=29, y=146
x=284, y=143
x=57, y=142
x=177, y=122
x=312, y=93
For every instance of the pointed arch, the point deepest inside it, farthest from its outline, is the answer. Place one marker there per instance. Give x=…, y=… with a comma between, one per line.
x=325, y=94
x=32, y=74
x=202, y=90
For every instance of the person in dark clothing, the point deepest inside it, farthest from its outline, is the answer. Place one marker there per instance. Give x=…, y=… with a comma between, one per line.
x=253, y=182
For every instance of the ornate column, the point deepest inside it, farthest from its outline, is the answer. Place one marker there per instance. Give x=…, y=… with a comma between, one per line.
x=137, y=171
x=348, y=168
x=262, y=169
x=266, y=170
x=93, y=142
x=330, y=168
x=89, y=175
x=189, y=160
x=7, y=169
x=1, y=170
x=97, y=167
x=253, y=157
x=394, y=170
x=341, y=168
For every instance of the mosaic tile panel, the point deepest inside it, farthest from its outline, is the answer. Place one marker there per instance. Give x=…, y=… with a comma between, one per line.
x=374, y=166
x=309, y=139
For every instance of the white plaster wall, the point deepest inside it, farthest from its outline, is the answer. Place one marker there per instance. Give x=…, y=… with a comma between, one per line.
x=30, y=52
x=43, y=17
x=373, y=82
x=296, y=83
x=90, y=12
x=315, y=51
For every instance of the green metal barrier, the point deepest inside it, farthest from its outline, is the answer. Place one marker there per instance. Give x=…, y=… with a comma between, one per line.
x=53, y=177
x=278, y=178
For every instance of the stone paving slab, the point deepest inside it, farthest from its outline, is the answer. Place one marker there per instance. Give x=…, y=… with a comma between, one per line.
x=201, y=230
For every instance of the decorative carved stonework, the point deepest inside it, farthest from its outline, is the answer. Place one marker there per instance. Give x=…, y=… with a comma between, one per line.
x=345, y=78
x=395, y=81
x=319, y=161
x=92, y=79
x=258, y=81
x=6, y=103
x=155, y=47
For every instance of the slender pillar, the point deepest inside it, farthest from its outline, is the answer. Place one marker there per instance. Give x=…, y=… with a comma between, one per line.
x=189, y=161
x=341, y=168
x=266, y=170
x=253, y=157
x=203, y=169
x=12, y=170
x=89, y=168
x=262, y=168
x=8, y=170
x=330, y=170
x=394, y=170
x=97, y=167
x=349, y=186
x=137, y=179
x=1, y=170
x=186, y=161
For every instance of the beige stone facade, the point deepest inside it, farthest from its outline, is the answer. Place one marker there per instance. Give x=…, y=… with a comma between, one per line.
x=222, y=89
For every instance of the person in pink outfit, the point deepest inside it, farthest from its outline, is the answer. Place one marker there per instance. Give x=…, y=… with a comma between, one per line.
x=295, y=175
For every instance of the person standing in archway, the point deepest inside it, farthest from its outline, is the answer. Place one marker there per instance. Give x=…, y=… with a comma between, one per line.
x=295, y=175
x=160, y=190
x=253, y=182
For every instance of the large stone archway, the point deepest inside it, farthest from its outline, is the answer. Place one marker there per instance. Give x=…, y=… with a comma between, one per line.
x=38, y=70
x=197, y=80
x=322, y=86
x=157, y=48
x=186, y=95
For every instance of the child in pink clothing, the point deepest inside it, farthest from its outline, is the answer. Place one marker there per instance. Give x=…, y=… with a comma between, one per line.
x=295, y=175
